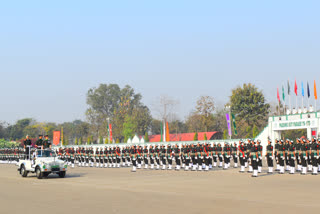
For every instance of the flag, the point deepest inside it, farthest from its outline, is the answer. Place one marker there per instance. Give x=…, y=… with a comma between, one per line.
x=161, y=132
x=288, y=88
x=234, y=124
x=110, y=132
x=283, y=95
x=278, y=96
x=302, y=89
x=56, y=137
x=315, y=91
x=167, y=132
x=308, y=90
x=295, y=88
x=229, y=124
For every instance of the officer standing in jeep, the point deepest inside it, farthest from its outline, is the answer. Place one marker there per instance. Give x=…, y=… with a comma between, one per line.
x=26, y=145
x=46, y=142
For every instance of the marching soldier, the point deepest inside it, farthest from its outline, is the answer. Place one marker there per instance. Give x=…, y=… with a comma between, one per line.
x=242, y=156
x=254, y=159
x=269, y=157
x=259, y=156
x=145, y=157
x=133, y=158
x=234, y=152
x=177, y=156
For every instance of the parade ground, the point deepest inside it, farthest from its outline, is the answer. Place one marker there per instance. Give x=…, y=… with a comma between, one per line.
x=92, y=190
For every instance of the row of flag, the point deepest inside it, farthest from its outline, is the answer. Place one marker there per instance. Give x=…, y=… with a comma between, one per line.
x=296, y=91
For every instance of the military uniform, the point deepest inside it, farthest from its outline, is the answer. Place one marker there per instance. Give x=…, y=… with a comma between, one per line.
x=269, y=156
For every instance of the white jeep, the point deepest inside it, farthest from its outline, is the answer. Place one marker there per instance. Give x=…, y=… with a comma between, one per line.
x=43, y=163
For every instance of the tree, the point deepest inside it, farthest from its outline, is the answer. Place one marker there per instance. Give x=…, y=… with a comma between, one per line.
x=100, y=140
x=195, y=137
x=205, y=136
x=128, y=128
x=110, y=101
x=155, y=126
x=255, y=131
x=76, y=141
x=146, y=137
x=80, y=141
x=205, y=108
x=249, y=106
x=194, y=123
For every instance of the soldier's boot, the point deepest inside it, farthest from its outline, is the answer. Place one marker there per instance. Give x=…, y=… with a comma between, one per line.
x=259, y=169
x=177, y=168
x=194, y=167
x=315, y=171
x=299, y=168
x=152, y=166
x=292, y=170
x=170, y=167
x=200, y=168
x=203, y=166
x=139, y=166
x=319, y=168
x=83, y=164
x=114, y=165
x=206, y=169
x=235, y=165
x=304, y=171
x=210, y=166
x=146, y=166
x=72, y=165
x=134, y=169
x=281, y=169
x=123, y=164
x=163, y=167
x=214, y=164
x=225, y=166
x=242, y=168
x=190, y=165
x=255, y=173
x=250, y=169
x=101, y=165
x=105, y=165
x=186, y=168
x=158, y=167
x=220, y=165
x=129, y=164
x=246, y=164
x=97, y=165
x=309, y=168
x=92, y=164
x=278, y=167
x=118, y=165
x=87, y=164
x=183, y=165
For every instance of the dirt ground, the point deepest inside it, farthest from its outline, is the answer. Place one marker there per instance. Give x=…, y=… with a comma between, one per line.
x=92, y=191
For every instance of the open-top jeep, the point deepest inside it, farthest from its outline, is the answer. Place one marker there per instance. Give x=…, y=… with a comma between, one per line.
x=43, y=163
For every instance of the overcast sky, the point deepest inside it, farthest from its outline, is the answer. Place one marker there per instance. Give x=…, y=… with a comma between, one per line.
x=52, y=52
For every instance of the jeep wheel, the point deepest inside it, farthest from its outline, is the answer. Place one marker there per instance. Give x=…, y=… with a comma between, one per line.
x=62, y=174
x=45, y=174
x=39, y=173
x=23, y=171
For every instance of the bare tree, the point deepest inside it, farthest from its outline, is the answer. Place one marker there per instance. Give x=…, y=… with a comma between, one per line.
x=205, y=107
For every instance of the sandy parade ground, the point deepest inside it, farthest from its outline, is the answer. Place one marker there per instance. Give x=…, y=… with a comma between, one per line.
x=92, y=190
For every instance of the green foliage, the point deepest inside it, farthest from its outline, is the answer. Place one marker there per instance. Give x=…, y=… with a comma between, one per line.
x=110, y=101
x=205, y=136
x=255, y=131
x=146, y=137
x=100, y=140
x=249, y=106
x=89, y=140
x=8, y=144
x=76, y=141
x=80, y=141
x=293, y=134
x=248, y=131
x=225, y=134
x=129, y=128
x=117, y=141
x=195, y=137
x=65, y=141
x=106, y=140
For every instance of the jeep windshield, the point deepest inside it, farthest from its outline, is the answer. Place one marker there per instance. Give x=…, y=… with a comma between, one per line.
x=46, y=153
